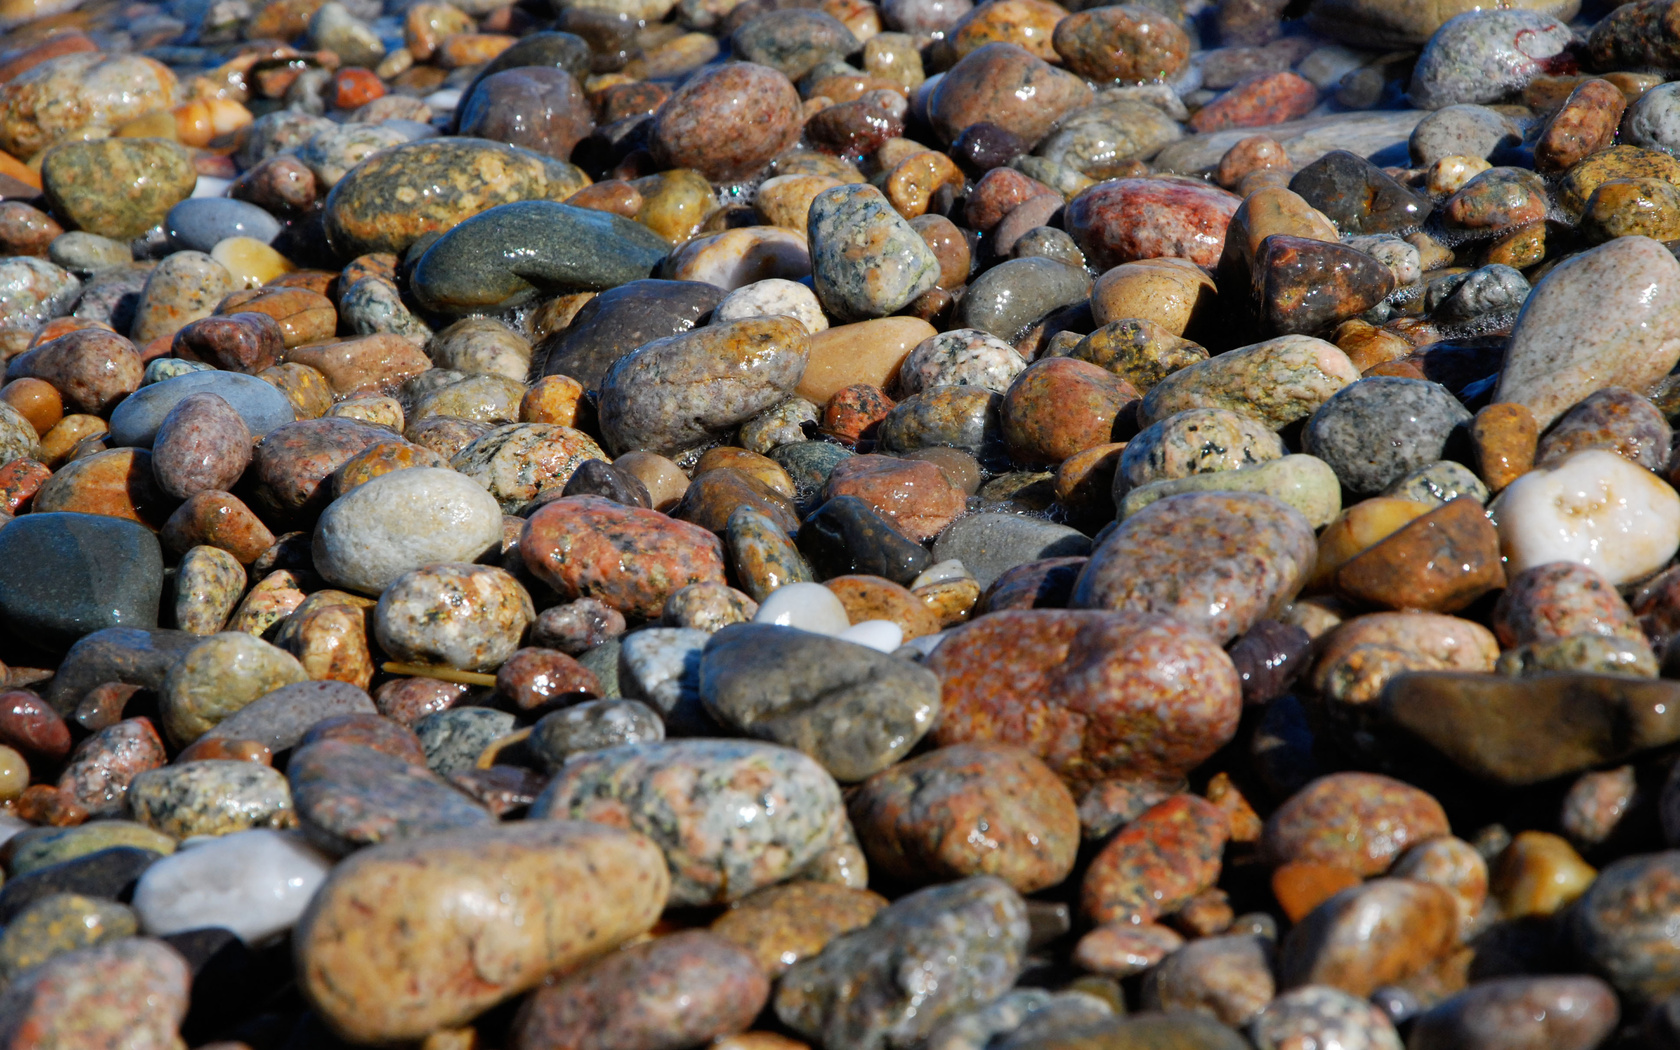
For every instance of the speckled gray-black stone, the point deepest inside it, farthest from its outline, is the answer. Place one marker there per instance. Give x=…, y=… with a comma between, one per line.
x=1380, y=429
x=866, y=260
x=732, y=816
x=214, y=797
x=454, y=739
x=965, y=942
x=851, y=708
x=964, y=417
x=591, y=726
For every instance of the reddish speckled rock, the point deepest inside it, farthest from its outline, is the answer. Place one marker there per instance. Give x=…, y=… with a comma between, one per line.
x=202, y=444
x=629, y=557
x=93, y=368
x=1007, y=86
x=682, y=990
x=1089, y=692
x=1357, y=821
x=727, y=122
x=914, y=495
x=1270, y=98
x=295, y=462
x=1218, y=561
x=108, y=761
x=1061, y=406
x=969, y=809
x=1157, y=862
x=1127, y=219
x=125, y=994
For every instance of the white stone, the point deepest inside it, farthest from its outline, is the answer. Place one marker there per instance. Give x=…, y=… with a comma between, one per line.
x=960, y=357
x=940, y=572
x=881, y=635
x=1595, y=508
x=807, y=606
x=211, y=186
x=747, y=255
x=400, y=521
x=774, y=297
x=926, y=644
x=444, y=101
x=255, y=883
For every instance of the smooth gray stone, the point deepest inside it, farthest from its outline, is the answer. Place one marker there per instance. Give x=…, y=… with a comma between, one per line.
x=136, y=420
x=510, y=253
x=197, y=223
x=991, y=543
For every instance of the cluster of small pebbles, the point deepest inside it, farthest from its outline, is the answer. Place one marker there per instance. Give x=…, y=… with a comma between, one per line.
x=837, y=525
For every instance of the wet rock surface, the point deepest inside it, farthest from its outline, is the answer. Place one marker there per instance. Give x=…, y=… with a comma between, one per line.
x=859, y=525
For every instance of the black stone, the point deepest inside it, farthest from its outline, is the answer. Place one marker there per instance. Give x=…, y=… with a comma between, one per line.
x=109, y=874
x=63, y=576
x=1358, y=196
x=1269, y=658
x=611, y=35
x=846, y=537
x=564, y=51
x=618, y=321
x=982, y=147
x=597, y=477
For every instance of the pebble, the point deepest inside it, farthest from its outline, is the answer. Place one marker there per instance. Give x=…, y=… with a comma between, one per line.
x=383, y=914
x=1553, y=362
x=854, y=710
x=969, y=937
x=1033, y=696
x=396, y=522
x=1564, y=1012
x=1592, y=507
x=1324, y=1016
x=129, y=990
x=714, y=856
x=1204, y=558
x=969, y=809
x=469, y=617
x=787, y=404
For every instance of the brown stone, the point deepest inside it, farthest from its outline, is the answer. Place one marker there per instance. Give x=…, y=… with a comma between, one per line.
x=1439, y=562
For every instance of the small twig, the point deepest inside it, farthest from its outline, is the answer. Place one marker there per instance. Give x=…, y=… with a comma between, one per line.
x=446, y=674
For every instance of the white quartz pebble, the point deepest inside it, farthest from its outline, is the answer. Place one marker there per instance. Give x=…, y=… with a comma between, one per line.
x=1595, y=508
x=807, y=606
x=255, y=883
x=883, y=635
x=211, y=186
x=772, y=297
x=941, y=571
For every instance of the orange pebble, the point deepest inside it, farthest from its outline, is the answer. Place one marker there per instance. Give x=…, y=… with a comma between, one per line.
x=17, y=169
x=551, y=399
x=470, y=49
x=63, y=326
x=225, y=747
x=201, y=121
x=353, y=86
x=37, y=399
x=1301, y=886
x=51, y=806
x=19, y=481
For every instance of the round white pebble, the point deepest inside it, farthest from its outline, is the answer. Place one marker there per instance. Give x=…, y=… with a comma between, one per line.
x=941, y=571
x=771, y=298
x=882, y=635
x=1595, y=508
x=255, y=883
x=807, y=606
